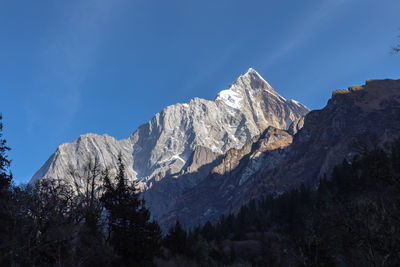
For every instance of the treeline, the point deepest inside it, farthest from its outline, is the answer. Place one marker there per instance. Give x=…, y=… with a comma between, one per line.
x=351, y=219
x=75, y=223
x=52, y=224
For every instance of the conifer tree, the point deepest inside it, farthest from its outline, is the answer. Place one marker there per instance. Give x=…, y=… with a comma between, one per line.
x=5, y=176
x=176, y=240
x=134, y=238
x=6, y=218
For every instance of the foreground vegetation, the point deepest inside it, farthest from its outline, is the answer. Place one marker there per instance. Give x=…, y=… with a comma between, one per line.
x=58, y=224
x=350, y=219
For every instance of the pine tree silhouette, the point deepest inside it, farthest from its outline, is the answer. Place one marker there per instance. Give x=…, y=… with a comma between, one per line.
x=135, y=239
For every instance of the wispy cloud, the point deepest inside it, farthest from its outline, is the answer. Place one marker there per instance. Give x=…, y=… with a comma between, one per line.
x=306, y=27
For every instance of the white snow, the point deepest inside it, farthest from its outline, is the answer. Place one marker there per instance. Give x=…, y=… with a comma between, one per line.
x=177, y=157
x=295, y=102
x=230, y=97
x=251, y=70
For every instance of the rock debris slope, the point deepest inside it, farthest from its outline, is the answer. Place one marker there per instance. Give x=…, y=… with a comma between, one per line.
x=183, y=141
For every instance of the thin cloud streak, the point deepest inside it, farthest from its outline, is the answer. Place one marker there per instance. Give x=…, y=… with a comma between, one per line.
x=308, y=26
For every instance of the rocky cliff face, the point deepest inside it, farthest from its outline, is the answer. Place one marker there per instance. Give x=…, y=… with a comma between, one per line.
x=239, y=113
x=179, y=146
x=227, y=179
x=88, y=147
x=273, y=163
x=355, y=118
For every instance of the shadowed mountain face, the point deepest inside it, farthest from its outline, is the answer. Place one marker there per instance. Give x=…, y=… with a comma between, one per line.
x=215, y=194
x=274, y=162
x=181, y=145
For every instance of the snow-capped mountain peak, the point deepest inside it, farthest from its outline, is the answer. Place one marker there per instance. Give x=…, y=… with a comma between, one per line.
x=248, y=86
x=162, y=146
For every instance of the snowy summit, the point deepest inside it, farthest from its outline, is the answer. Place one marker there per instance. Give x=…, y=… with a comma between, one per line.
x=177, y=139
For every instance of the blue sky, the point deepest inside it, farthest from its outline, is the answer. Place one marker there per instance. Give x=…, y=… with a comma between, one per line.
x=107, y=66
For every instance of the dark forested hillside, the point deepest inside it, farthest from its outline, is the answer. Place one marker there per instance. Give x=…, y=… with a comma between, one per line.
x=351, y=219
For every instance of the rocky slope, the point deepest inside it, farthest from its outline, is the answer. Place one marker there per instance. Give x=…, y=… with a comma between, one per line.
x=352, y=120
x=179, y=146
x=226, y=180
